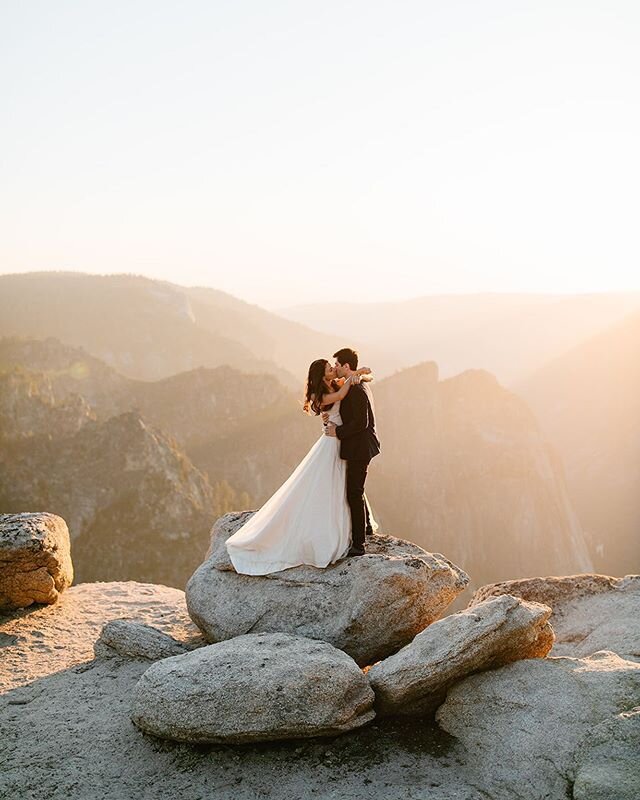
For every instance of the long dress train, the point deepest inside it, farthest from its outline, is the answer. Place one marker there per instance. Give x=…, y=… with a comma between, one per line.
x=306, y=521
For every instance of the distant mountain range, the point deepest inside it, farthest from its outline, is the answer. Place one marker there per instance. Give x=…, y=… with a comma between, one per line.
x=510, y=335
x=209, y=388
x=150, y=329
x=588, y=403
x=143, y=467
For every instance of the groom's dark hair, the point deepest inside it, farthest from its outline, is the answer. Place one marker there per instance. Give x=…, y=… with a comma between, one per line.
x=347, y=356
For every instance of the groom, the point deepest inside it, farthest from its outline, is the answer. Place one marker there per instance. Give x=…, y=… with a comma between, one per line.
x=358, y=445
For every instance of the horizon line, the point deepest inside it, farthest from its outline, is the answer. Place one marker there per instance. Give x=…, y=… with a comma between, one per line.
x=548, y=293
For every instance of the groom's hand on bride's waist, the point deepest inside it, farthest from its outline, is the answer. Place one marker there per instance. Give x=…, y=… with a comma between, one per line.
x=330, y=429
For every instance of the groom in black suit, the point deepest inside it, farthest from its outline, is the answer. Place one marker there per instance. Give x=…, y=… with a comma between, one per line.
x=358, y=445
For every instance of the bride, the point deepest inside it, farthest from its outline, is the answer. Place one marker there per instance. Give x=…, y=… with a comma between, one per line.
x=307, y=520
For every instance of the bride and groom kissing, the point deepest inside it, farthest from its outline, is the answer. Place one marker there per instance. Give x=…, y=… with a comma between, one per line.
x=320, y=514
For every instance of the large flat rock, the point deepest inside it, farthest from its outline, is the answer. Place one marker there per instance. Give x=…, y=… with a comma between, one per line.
x=87, y=748
x=524, y=722
x=369, y=606
x=607, y=763
x=35, y=559
x=257, y=687
x=414, y=681
x=41, y=640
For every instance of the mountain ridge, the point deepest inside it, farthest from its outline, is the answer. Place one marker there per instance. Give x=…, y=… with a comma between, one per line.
x=149, y=328
x=456, y=453
x=509, y=334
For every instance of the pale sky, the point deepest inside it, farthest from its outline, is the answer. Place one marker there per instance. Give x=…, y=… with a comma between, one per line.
x=291, y=152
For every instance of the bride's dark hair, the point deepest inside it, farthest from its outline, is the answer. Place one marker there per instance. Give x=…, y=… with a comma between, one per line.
x=316, y=386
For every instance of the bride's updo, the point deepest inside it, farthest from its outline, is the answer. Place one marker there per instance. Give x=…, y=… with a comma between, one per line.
x=316, y=386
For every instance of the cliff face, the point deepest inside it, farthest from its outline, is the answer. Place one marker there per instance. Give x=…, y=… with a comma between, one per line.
x=198, y=407
x=588, y=404
x=204, y=406
x=46, y=374
x=137, y=507
x=31, y=406
x=242, y=429
x=467, y=471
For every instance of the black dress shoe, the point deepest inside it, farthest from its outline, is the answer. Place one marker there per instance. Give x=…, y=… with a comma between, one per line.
x=356, y=551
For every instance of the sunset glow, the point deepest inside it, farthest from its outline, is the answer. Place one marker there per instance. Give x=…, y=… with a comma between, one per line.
x=289, y=152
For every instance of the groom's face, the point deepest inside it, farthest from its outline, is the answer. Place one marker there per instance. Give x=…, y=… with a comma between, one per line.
x=339, y=369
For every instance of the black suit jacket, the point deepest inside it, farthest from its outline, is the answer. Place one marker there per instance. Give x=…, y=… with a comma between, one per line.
x=357, y=434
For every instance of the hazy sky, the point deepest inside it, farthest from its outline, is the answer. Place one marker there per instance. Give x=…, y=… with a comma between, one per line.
x=294, y=151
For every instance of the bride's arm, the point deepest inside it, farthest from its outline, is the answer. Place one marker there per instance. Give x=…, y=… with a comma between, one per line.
x=332, y=397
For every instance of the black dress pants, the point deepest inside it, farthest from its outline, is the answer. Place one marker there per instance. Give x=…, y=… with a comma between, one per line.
x=356, y=477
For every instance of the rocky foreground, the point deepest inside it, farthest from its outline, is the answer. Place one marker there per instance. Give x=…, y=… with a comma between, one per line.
x=119, y=690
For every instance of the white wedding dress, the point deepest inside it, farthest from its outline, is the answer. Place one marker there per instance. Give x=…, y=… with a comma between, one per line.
x=306, y=521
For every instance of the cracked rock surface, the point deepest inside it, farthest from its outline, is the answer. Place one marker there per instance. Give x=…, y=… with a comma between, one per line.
x=35, y=559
